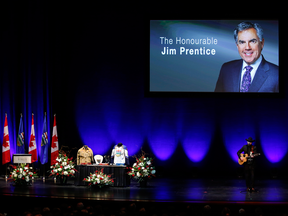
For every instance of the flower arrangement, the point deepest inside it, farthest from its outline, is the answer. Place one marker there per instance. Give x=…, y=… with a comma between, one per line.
x=99, y=179
x=22, y=175
x=143, y=169
x=63, y=167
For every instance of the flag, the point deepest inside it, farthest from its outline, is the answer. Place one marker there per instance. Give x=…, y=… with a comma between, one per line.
x=32, y=142
x=54, y=143
x=44, y=143
x=20, y=138
x=6, y=144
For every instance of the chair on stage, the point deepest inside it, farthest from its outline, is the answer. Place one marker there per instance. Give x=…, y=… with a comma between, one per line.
x=98, y=159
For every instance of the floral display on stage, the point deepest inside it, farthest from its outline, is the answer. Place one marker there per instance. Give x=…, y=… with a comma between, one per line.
x=99, y=179
x=143, y=169
x=22, y=175
x=64, y=167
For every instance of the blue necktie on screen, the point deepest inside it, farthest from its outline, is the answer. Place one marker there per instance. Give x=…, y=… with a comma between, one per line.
x=246, y=81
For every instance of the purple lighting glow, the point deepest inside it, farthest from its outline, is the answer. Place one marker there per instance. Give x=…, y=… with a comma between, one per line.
x=163, y=142
x=235, y=131
x=103, y=124
x=197, y=140
x=273, y=142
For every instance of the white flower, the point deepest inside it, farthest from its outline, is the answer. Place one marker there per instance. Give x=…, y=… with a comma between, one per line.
x=15, y=175
x=98, y=181
x=144, y=158
x=20, y=176
x=65, y=173
x=153, y=172
x=51, y=167
x=30, y=167
x=27, y=179
x=72, y=171
x=138, y=174
x=64, y=163
x=132, y=169
x=145, y=170
x=59, y=169
x=25, y=168
x=148, y=162
x=135, y=164
x=55, y=170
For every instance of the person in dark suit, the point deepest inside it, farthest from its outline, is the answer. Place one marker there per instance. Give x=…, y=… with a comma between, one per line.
x=249, y=165
x=252, y=73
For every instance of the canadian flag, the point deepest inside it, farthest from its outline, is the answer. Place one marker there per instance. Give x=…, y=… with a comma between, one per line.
x=54, y=143
x=6, y=144
x=32, y=142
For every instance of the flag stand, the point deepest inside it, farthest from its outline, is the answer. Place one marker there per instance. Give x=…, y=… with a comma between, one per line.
x=33, y=170
x=43, y=173
x=6, y=176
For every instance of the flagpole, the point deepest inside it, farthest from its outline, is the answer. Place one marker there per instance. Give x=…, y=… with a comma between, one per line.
x=29, y=141
x=23, y=145
x=43, y=178
x=6, y=163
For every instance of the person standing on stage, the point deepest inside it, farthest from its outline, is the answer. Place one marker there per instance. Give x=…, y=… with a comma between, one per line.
x=249, y=165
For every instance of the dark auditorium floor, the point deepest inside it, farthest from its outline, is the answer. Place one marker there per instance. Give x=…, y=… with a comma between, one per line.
x=159, y=190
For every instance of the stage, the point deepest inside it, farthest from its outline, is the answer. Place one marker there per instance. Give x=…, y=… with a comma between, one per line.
x=159, y=190
x=160, y=193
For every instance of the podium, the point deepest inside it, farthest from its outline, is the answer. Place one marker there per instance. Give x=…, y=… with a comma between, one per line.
x=22, y=158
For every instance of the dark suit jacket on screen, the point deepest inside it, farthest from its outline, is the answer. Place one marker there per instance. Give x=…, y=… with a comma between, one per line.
x=266, y=78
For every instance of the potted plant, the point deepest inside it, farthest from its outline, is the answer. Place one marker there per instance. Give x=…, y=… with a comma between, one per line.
x=99, y=179
x=143, y=169
x=63, y=168
x=22, y=175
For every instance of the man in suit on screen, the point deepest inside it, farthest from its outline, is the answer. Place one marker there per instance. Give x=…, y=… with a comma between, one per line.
x=252, y=73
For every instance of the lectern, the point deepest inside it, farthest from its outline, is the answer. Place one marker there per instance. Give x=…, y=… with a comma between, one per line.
x=22, y=158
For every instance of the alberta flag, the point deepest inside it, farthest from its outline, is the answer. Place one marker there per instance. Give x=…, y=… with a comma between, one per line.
x=20, y=138
x=32, y=142
x=6, y=144
x=44, y=143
